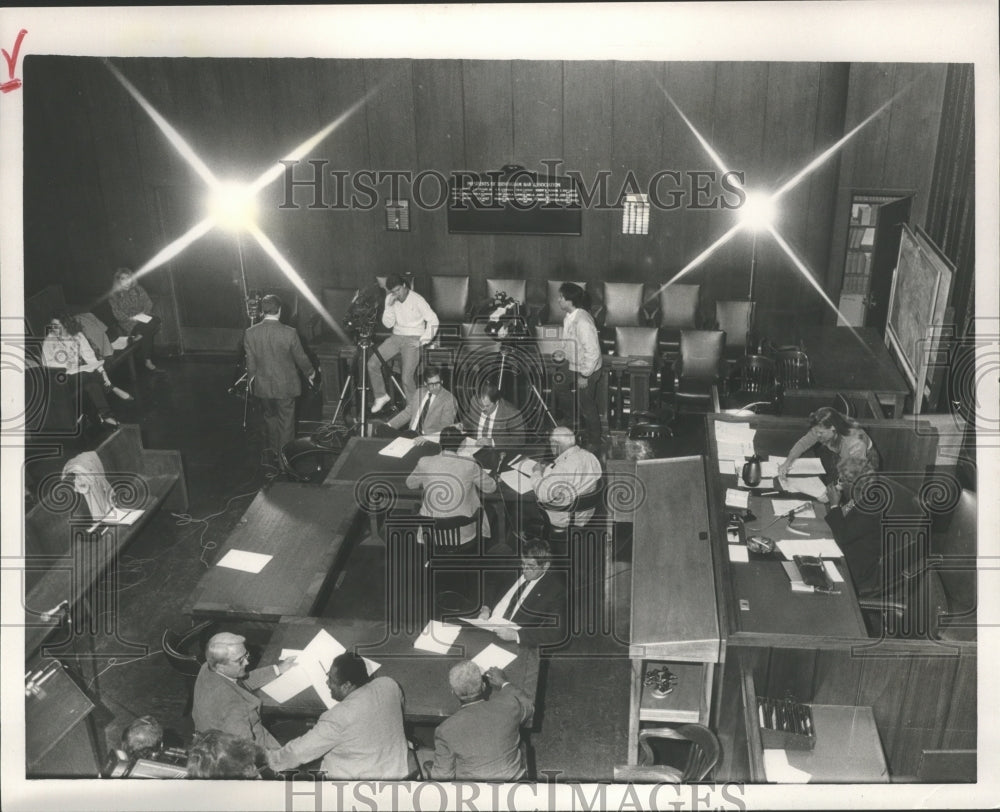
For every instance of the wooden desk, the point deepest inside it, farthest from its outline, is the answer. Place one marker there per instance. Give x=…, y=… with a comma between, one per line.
x=304, y=527
x=423, y=676
x=839, y=362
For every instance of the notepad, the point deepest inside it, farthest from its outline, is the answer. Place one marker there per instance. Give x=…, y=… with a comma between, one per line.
x=244, y=560
x=145, y=318
x=117, y=516
x=399, y=447
x=437, y=637
x=738, y=554
x=493, y=655
x=737, y=499
x=516, y=480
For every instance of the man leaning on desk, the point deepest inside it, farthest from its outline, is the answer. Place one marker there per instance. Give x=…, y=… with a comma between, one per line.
x=223, y=698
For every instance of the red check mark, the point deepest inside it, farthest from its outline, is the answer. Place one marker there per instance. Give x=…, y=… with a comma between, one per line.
x=13, y=83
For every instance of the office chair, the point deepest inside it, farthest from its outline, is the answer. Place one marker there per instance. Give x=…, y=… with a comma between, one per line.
x=621, y=306
x=558, y=537
x=735, y=318
x=449, y=298
x=793, y=368
x=753, y=386
x=699, y=369
x=515, y=288
x=635, y=370
x=177, y=649
x=953, y=564
x=703, y=753
x=679, y=306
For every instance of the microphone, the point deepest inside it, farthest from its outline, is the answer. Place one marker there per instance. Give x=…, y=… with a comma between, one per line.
x=55, y=610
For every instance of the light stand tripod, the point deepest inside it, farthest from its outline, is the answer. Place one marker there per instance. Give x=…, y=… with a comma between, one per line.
x=365, y=344
x=505, y=350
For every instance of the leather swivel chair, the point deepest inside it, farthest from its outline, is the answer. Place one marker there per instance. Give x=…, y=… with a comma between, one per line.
x=735, y=319
x=698, y=370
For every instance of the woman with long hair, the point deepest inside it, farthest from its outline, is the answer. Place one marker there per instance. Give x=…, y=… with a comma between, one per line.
x=840, y=435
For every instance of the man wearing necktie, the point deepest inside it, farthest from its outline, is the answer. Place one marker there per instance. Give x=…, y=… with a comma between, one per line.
x=223, y=693
x=536, y=602
x=431, y=410
x=494, y=423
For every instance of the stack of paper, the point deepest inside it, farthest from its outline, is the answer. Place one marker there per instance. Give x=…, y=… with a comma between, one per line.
x=312, y=664
x=399, y=447
x=733, y=441
x=737, y=499
x=810, y=485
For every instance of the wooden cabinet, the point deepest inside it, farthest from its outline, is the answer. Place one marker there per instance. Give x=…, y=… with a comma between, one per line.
x=870, y=261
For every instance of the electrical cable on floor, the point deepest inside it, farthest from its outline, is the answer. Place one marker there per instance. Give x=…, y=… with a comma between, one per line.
x=184, y=519
x=113, y=663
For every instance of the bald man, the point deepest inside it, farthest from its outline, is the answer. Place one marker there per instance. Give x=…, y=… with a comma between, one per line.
x=573, y=473
x=223, y=698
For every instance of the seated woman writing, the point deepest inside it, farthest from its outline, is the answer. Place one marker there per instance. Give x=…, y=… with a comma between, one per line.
x=66, y=347
x=839, y=435
x=134, y=311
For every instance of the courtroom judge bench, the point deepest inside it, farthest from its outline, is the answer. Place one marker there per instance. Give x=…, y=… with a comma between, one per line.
x=734, y=631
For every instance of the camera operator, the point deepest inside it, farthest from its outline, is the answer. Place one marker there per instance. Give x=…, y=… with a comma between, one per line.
x=413, y=325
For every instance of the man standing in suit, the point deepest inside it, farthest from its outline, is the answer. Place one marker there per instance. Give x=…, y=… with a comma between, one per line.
x=274, y=359
x=536, y=602
x=481, y=740
x=413, y=326
x=429, y=411
x=223, y=698
x=361, y=737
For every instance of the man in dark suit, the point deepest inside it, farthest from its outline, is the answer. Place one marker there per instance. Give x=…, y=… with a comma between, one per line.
x=223, y=698
x=274, y=359
x=432, y=408
x=481, y=740
x=494, y=424
x=536, y=602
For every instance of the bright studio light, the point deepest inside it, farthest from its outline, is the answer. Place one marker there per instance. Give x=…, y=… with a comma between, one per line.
x=232, y=206
x=758, y=212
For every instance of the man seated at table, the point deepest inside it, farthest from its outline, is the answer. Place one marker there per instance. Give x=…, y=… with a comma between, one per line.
x=858, y=533
x=574, y=473
x=427, y=413
x=481, y=740
x=536, y=601
x=223, y=698
x=494, y=424
x=361, y=736
x=452, y=484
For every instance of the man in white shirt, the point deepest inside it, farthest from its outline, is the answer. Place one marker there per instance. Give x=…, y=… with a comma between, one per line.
x=413, y=325
x=575, y=472
x=535, y=602
x=576, y=396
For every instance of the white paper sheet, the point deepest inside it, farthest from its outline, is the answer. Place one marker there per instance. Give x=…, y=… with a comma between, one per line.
x=727, y=466
x=493, y=655
x=433, y=437
x=738, y=554
x=784, y=505
x=145, y=318
x=810, y=485
x=737, y=499
x=312, y=665
x=491, y=624
x=516, y=480
x=437, y=637
x=399, y=447
x=468, y=448
x=117, y=516
x=821, y=548
x=833, y=572
x=779, y=771
x=293, y=682
x=807, y=465
x=119, y=343
x=738, y=451
x=243, y=560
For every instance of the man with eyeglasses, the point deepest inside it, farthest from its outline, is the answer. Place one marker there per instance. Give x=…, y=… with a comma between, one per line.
x=413, y=325
x=223, y=691
x=430, y=410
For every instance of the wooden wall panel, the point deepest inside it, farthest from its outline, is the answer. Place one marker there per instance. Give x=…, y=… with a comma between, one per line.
x=961, y=725
x=924, y=699
x=240, y=115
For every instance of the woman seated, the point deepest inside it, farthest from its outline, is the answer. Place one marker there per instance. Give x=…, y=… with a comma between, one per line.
x=840, y=435
x=134, y=311
x=66, y=347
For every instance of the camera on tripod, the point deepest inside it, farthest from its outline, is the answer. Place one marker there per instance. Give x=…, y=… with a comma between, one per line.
x=505, y=317
x=362, y=313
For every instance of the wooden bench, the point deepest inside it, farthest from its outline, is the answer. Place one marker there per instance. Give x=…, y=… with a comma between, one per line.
x=62, y=560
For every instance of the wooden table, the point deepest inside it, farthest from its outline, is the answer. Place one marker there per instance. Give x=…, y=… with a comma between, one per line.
x=842, y=363
x=304, y=527
x=422, y=675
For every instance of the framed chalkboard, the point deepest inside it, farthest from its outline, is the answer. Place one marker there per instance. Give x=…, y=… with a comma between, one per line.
x=917, y=307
